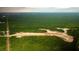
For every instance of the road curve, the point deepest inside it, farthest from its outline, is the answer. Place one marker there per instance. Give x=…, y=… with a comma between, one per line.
x=64, y=36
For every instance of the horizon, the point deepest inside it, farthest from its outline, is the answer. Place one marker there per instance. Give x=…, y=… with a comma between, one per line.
x=28, y=9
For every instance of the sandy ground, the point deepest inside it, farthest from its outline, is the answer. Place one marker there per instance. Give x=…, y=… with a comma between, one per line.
x=64, y=36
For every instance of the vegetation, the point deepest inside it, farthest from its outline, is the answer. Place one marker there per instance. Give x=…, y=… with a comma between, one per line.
x=32, y=22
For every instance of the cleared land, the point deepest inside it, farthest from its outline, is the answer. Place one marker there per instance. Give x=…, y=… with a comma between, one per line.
x=26, y=36
x=64, y=36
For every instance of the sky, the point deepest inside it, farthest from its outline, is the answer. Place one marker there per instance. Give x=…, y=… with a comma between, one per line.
x=32, y=9
x=40, y=5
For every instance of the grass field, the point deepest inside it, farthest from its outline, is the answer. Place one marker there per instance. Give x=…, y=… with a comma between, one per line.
x=32, y=22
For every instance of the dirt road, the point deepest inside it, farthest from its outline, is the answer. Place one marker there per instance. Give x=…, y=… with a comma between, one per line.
x=7, y=37
x=64, y=36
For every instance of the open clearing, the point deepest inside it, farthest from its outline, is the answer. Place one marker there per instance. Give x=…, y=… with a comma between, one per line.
x=64, y=36
x=59, y=31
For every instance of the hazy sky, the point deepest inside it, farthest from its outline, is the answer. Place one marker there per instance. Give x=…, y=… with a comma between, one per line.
x=40, y=3
x=26, y=9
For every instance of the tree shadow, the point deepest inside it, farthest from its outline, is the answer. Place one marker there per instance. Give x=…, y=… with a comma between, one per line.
x=72, y=46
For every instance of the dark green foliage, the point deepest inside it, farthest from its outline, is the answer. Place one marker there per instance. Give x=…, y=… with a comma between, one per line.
x=75, y=32
x=32, y=22
x=2, y=44
x=37, y=44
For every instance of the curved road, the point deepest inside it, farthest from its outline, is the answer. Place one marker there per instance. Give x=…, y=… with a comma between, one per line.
x=64, y=36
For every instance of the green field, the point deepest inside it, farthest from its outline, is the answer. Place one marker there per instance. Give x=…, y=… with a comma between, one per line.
x=32, y=22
